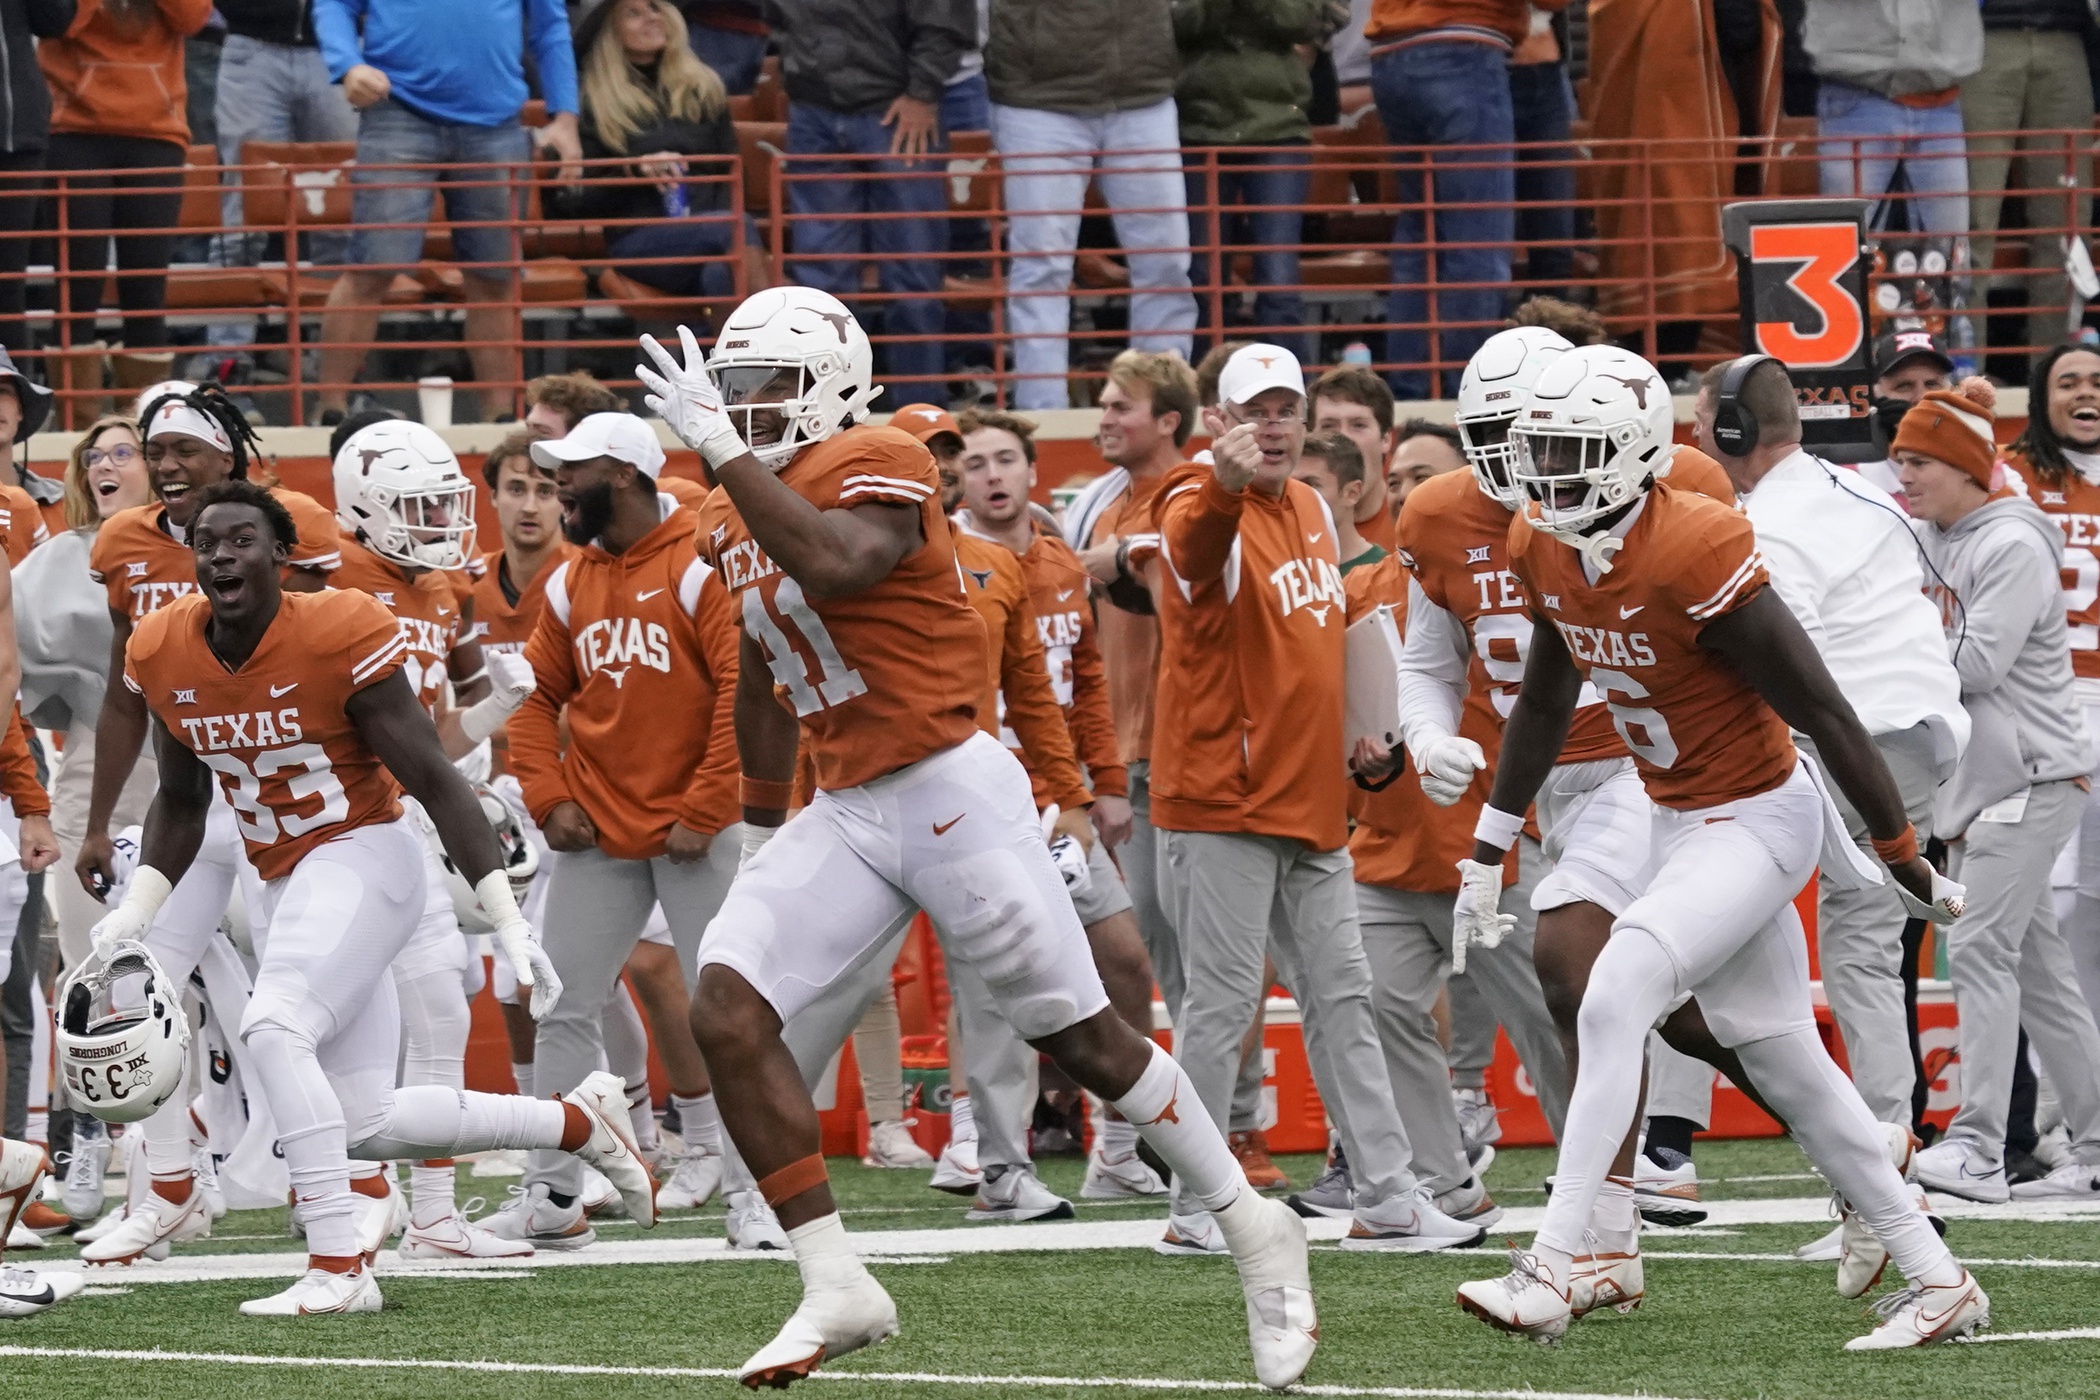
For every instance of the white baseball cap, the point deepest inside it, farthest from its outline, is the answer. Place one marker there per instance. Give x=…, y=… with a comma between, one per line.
x=1255, y=369
x=619, y=435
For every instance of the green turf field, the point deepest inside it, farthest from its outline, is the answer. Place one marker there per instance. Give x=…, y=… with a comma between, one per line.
x=1086, y=1321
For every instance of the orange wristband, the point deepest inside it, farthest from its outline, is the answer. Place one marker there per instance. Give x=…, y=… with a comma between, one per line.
x=1900, y=849
x=765, y=794
x=792, y=1180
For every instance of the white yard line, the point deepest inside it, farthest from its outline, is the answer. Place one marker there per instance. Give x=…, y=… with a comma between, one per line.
x=1790, y=1259
x=2068, y=1334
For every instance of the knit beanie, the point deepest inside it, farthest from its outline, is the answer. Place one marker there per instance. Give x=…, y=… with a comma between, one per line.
x=1954, y=426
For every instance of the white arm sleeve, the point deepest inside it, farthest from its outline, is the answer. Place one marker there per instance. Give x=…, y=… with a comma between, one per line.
x=1433, y=679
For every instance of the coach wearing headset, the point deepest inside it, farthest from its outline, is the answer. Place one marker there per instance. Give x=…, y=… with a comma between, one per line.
x=1843, y=559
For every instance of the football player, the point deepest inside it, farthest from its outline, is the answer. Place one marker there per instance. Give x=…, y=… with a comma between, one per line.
x=301, y=707
x=1655, y=597
x=843, y=570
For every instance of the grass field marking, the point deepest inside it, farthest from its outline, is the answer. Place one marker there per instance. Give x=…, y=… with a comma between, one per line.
x=2068, y=1334
x=2029, y=1262
x=1163, y=1383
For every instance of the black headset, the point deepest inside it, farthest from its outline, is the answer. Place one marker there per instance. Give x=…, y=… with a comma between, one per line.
x=1735, y=428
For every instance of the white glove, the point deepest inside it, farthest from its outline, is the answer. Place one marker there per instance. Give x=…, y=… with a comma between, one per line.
x=510, y=681
x=528, y=960
x=1447, y=765
x=1950, y=900
x=1070, y=859
x=1476, y=915
x=755, y=836
x=128, y=922
x=687, y=399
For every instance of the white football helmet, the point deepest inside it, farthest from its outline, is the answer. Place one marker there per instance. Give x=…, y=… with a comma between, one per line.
x=122, y=1056
x=521, y=861
x=1497, y=380
x=1592, y=436
x=399, y=490
x=806, y=333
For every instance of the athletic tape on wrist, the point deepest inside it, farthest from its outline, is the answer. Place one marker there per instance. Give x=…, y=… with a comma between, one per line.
x=766, y=794
x=1498, y=828
x=148, y=891
x=1901, y=849
x=792, y=1180
x=485, y=716
x=498, y=904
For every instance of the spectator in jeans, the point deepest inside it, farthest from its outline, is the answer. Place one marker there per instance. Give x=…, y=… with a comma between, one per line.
x=1542, y=108
x=647, y=98
x=439, y=82
x=25, y=109
x=1440, y=71
x=1243, y=84
x=728, y=36
x=2034, y=78
x=866, y=78
x=1058, y=105
x=117, y=96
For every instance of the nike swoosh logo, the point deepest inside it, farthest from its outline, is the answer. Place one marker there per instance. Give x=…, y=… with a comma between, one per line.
x=1625, y=613
x=277, y=690
x=1314, y=537
x=645, y=597
x=444, y=612
x=942, y=829
x=1066, y=594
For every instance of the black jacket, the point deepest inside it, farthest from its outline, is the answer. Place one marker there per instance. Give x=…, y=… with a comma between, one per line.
x=2063, y=15
x=289, y=22
x=25, y=102
x=618, y=203
x=862, y=55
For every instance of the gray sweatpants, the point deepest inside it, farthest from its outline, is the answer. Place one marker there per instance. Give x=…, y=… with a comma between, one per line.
x=1475, y=1019
x=596, y=909
x=1407, y=937
x=1859, y=937
x=2012, y=968
x=1221, y=890
x=1139, y=858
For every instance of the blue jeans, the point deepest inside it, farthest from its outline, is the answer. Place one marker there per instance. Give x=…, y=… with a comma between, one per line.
x=735, y=57
x=484, y=206
x=909, y=228
x=967, y=105
x=1448, y=94
x=1866, y=136
x=1543, y=105
x=1270, y=186
x=704, y=243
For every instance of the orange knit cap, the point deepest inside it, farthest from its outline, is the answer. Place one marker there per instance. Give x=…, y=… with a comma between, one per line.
x=1954, y=426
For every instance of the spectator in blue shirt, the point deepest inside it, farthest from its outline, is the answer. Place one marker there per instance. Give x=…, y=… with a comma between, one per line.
x=440, y=82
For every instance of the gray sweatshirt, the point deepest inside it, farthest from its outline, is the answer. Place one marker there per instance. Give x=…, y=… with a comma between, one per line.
x=2005, y=628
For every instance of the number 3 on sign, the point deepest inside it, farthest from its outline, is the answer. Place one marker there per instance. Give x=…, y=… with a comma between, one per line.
x=1824, y=254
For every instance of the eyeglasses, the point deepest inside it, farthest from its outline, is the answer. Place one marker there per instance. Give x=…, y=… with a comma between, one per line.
x=120, y=456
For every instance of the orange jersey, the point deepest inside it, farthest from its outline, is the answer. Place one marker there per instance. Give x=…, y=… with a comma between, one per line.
x=682, y=489
x=18, y=779
x=1064, y=618
x=1252, y=616
x=641, y=648
x=1130, y=641
x=21, y=523
x=427, y=605
x=883, y=677
x=1402, y=840
x=275, y=733
x=1379, y=529
x=1699, y=734
x=2074, y=504
x=1020, y=709
x=499, y=623
x=139, y=558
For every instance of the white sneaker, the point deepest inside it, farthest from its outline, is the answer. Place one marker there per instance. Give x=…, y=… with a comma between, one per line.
x=20, y=1236
x=830, y=1323
x=1525, y=1301
x=2073, y=1181
x=1191, y=1234
x=1607, y=1278
x=956, y=1172
x=23, y=1167
x=693, y=1182
x=86, y=1169
x=1283, y=1327
x=530, y=1216
x=1333, y=1195
x=1861, y=1259
x=1409, y=1223
x=1823, y=1250
x=1666, y=1195
x=600, y=1198
x=205, y=1168
x=751, y=1223
x=2054, y=1147
x=1958, y=1167
x=1123, y=1178
x=1920, y=1316
x=27, y=1292
x=109, y=1220
x=317, y=1292
x=147, y=1232
x=456, y=1237
x=1470, y=1204
x=508, y=1161
x=611, y=1147
x=1478, y=1124
x=1012, y=1194
x=890, y=1144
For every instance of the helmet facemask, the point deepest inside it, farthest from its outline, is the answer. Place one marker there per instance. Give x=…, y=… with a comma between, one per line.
x=1575, y=476
x=780, y=407
x=428, y=528
x=1493, y=457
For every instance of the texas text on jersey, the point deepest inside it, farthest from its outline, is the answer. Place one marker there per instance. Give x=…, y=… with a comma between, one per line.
x=2074, y=504
x=144, y=560
x=427, y=606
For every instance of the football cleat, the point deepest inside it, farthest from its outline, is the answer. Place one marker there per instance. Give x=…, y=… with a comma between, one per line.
x=2073, y=1181
x=1478, y=1124
x=23, y=1167
x=1283, y=1327
x=693, y=1181
x=148, y=1231
x=102, y=1225
x=1409, y=1223
x=1958, y=1167
x=318, y=1293
x=42, y=1221
x=20, y=1236
x=1824, y=1248
x=380, y=1218
x=1011, y=1194
x=456, y=1237
x=750, y=1223
x=1252, y=1150
x=1125, y=1178
x=1607, y=1278
x=86, y=1168
x=1667, y=1194
x=891, y=1145
x=600, y=1198
x=27, y=1292
x=1920, y=1316
x=956, y=1172
x=1191, y=1234
x=205, y=1168
x=1525, y=1301
x=531, y=1215
x=830, y=1323
x=611, y=1147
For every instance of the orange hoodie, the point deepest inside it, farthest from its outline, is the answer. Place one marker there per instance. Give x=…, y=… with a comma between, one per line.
x=1511, y=19
x=18, y=780
x=1018, y=697
x=112, y=76
x=641, y=647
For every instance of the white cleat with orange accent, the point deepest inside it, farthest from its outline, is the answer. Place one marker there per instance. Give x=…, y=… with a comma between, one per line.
x=1527, y=1300
x=1921, y=1316
x=611, y=1147
x=830, y=1323
x=1283, y=1327
x=1607, y=1278
x=320, y=1293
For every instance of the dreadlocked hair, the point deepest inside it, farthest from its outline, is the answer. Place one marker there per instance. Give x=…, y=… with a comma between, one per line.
x=2038, y=444
x=209, y=399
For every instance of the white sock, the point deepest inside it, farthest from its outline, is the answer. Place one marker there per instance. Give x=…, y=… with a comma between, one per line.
x=430, y=1193
x=962, y=1123
x=1113, y=1134
x=824, y=1254
x=1557, y=1264
x=167, y=1141
x=1164, y=1109
x=310, y=1134
x=1614, y=1219
x=429, y=1120
x=701, y=1121
x=641, y=1117
x=523, y=1075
